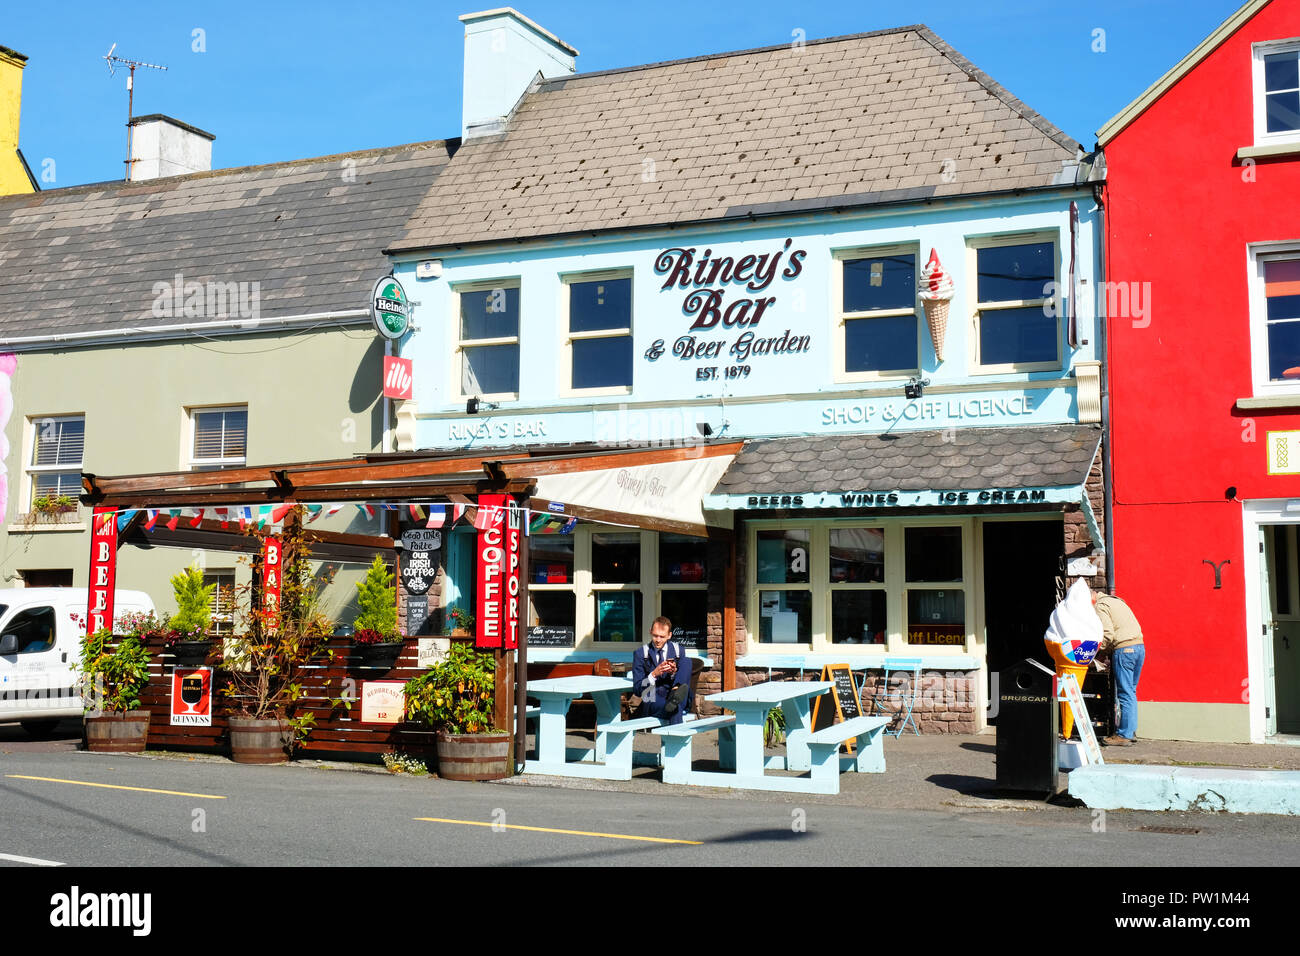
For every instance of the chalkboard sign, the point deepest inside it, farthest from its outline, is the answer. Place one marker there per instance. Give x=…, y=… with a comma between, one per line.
x=692, y=637
x=844, y=691
x=550, y=635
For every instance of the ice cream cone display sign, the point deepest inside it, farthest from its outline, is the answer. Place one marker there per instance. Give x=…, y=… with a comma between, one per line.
x=1072, y=638
x=936, y=291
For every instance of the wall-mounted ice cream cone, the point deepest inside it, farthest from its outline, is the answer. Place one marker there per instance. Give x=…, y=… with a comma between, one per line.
x=936, y=290
x=936, y=316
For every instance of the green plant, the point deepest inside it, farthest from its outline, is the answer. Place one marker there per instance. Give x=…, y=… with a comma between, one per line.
x=458, y=619
x=774, y=727
x=377, y=601
x=276, y=648
x=53, y=504
x=119, y=674
x=193, y=603
x=404, y=763
x=455, y=695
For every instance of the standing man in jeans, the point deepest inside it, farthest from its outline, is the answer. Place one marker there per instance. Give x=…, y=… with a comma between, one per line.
x=1123, y=644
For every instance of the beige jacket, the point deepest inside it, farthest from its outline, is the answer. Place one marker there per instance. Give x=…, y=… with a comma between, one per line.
x=1119, y=625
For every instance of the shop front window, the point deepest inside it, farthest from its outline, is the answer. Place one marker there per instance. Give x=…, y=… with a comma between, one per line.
x=936, y=611
x=857, y=579
x=615, y=574
x=683, y=588
x=783, y=558
x=552, y=603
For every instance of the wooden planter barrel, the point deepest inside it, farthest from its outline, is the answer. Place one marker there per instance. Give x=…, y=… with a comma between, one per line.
x=125, y=733
x=473, y=756
x=257, y=741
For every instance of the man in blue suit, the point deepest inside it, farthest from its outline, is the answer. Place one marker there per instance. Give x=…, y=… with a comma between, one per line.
x=661, y=674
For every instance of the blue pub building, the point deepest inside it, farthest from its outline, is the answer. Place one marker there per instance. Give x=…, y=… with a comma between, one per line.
x=853, y=281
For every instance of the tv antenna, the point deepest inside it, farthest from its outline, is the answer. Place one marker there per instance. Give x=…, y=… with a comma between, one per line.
x=130, y=94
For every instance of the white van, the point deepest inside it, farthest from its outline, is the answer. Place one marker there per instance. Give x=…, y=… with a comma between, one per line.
x=40, y=648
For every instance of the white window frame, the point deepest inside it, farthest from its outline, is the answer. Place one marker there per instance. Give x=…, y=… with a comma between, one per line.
x=895, y=587
x=199, y=464
x=1258, y=52
x=223, y=622
x=974, y=306
x=30, y=471
x=567, y=337
x=1256, y=255
x=459, y=345
x=839, y=370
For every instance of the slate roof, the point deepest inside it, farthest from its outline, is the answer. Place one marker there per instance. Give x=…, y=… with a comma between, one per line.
x=85, y=259
x=846, y=121
x=964, y=459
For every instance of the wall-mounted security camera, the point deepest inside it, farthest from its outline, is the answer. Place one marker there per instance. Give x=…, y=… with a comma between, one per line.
x=428, y=269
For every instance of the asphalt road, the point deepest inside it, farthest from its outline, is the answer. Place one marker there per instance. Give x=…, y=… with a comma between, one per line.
x=92, y=810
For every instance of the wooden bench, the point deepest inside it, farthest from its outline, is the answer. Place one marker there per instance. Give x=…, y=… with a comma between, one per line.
x=614, y=741
x=824, y=746
x=675, y=744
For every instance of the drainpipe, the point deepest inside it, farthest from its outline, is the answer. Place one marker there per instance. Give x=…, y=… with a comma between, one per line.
x=383, y=441
x=1107, y=476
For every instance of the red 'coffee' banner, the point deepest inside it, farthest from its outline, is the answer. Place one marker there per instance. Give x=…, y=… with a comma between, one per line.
x=103, y=569
x=491, y=523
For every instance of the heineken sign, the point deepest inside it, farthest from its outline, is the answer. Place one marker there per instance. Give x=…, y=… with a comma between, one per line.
x=390, y=310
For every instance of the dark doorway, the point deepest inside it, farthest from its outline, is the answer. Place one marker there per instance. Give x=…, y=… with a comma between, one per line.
x=48, y=579
x=1022, y=562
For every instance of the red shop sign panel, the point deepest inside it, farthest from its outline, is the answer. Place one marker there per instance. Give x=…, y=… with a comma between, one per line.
x=103, y=569
x=500, y=531
x=271, y=580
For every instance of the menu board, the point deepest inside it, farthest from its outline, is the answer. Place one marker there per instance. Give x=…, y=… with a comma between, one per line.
x=550, y=635
x=616, y=616
x=844, y=692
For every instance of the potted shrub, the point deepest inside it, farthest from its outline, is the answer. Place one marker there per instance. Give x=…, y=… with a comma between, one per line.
x=376, y=639
x=269, y=660
x=456, y=698
x=458, y=623
x=117, y=676
x=187, y=631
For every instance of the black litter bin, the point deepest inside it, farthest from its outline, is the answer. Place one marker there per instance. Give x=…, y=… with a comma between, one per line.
x=1028, y=725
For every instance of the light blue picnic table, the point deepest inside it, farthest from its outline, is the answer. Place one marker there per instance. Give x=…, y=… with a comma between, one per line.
x=805, y=750
x=553, y=755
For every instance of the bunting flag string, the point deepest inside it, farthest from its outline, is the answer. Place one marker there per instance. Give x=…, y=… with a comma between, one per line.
x=429, y=514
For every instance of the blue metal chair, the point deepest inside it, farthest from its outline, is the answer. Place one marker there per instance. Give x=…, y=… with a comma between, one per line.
x=906, y=694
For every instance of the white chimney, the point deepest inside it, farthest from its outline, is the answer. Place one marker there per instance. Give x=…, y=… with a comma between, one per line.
x=162, y=146
x=504, y=51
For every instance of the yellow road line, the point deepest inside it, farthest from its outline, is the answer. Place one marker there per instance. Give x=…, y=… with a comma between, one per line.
x=114, y=786
x=512, y=826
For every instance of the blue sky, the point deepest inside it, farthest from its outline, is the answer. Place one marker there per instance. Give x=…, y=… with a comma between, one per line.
x=285, y=80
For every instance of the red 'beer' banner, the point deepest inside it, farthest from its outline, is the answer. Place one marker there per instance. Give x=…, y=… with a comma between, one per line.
x=103, y=569
x=271, y=583
x=491, y=569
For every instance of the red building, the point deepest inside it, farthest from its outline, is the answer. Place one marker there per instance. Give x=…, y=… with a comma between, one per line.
x=1202, y=260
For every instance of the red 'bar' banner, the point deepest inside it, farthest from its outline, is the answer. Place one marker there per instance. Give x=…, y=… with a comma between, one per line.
x=271, y=574
x=103, y=569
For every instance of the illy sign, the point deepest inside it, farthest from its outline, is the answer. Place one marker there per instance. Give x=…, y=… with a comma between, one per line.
x=398, y=377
